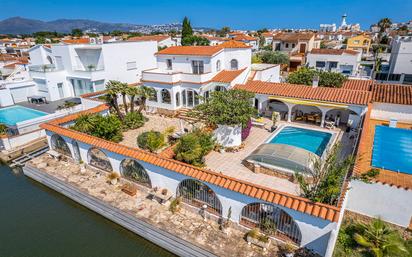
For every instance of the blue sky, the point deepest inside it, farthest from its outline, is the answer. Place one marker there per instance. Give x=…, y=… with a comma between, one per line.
x=238, y=14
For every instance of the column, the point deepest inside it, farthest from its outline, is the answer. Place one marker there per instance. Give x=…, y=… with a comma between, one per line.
x=322, y=123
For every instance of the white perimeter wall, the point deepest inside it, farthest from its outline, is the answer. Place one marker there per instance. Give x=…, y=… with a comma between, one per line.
x=384, y=111
x=316, y=232
x=392, y=204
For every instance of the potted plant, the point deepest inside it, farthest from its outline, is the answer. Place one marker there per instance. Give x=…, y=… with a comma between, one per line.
x=255, y=237
x=113, y=178
x=82, y=167
x=174, y=206
x=90, y=67
x=164, y=191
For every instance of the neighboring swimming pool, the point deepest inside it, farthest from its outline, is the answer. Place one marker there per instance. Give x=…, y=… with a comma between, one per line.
x=392, y=149
x=12, y=115
x=311, y=140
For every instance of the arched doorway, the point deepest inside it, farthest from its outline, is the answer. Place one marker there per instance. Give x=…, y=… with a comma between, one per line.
x=132, y=170
x=280, y=107
x=197, y=194
x=307, y=113
x=341, y=116
x=271, y=220
x=166, y=98
x=59, y=145
x=97, y=158
x=76, y=151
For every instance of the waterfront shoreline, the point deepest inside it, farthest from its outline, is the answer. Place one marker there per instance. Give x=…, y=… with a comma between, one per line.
x=161, y=238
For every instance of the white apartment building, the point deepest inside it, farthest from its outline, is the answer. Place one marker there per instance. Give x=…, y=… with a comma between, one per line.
x=184, y=73
x=400, y=61
x=70, y=70
x=337, y=60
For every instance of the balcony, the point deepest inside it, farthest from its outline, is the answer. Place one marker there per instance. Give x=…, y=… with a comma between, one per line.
x=90, y=72
x=44, y=68
x=166, y=76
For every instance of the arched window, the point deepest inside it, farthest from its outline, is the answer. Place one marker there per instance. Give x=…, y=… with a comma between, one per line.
x=49, y=59
x=184, y=97
x=197, y=194
x=59, y=145
x=166, y=96
x=98, y=159
x=76, y=151
x=132, y=170
x=197, y=99
x=153, y=97
x=218, y=65
x=271, y=220
x=233, y=64
x=177, y=98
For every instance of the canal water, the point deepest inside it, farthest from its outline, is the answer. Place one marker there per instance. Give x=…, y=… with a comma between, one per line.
x=38, y=222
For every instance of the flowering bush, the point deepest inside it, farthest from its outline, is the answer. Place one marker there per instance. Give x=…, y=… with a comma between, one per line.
x=246, y=130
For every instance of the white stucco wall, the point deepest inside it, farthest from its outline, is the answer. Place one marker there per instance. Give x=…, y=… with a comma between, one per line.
x=228, y=136
x=401, y=56
x=392, y=204
x=344, y=59
x=316, y=232
x=385, y=111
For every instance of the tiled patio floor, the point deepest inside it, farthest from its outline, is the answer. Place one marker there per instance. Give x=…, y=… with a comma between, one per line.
x=185, y=224
x=231, y=163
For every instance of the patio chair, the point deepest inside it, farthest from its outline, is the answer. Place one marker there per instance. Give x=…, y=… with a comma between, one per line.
x=329, y=124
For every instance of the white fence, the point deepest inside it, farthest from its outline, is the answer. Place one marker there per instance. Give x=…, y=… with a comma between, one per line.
x=12, y=142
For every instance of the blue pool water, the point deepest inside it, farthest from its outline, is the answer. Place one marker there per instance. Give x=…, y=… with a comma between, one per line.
x=11, y=115
x=310, y=140
x=392, y=149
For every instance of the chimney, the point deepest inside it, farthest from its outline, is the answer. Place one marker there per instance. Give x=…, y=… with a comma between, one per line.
x=315, y=82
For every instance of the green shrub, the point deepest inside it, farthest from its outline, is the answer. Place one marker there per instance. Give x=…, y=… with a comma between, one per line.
x=192, y=147
x=151, y=140
x=133, y=120
x=105, y=127
x=304, y=76
x=3, y=129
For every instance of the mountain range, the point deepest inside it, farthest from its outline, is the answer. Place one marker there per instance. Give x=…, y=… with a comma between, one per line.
x=20, y=25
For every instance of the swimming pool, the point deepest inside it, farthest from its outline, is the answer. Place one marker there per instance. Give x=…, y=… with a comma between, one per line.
x=12, y=115
x=311, y=140
x=392, y=149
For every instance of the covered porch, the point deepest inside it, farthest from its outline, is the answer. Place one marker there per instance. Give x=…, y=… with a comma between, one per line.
x=324, y=114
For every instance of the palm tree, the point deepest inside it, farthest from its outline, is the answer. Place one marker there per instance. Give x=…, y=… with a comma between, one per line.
x=132, y=92
x=113, y=88
x=123, y=88
x=384, y=23
x=380, y=240
x=145, y=93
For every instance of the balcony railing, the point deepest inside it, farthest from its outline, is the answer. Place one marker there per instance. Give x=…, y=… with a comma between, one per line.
x=44, y=68
x=88, y=68
x=174, y=77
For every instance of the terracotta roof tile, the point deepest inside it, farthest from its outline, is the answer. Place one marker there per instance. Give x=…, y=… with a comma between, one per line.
x=392, y=93
x=328, y=94
x=233, y=44
x=227, y=76
x=190, y=50
x=293, y=36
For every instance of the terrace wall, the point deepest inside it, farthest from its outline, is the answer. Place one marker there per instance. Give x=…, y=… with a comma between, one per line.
x=390, y=203
x=316, y=232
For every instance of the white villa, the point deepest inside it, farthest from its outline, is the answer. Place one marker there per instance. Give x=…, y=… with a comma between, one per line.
x=69, y=70
x=184, y=73
x=336, y=60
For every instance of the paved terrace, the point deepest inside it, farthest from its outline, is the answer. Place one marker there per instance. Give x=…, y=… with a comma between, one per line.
x=50, y=107
x=231, y=163
x=185, y=224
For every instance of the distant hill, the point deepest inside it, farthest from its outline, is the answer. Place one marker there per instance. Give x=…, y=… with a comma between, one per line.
x=19, y=25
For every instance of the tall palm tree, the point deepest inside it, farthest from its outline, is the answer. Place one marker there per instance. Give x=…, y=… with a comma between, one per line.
x=145, y=93
x=113, y=89
x=380, y=240
x=132, y=92
x=384, y=23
